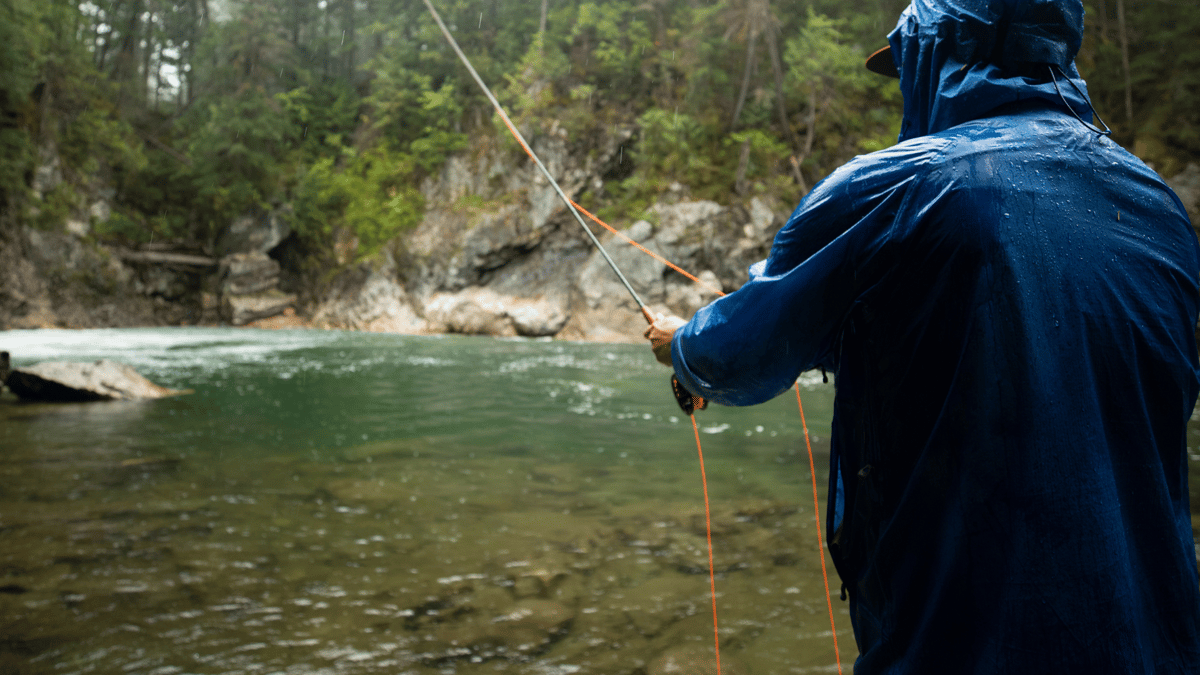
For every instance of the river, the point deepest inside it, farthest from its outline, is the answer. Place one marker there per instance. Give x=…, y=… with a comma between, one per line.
x=329, y=502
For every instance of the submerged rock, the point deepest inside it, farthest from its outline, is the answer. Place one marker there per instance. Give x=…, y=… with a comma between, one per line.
x=104, y=380
x=692, y=659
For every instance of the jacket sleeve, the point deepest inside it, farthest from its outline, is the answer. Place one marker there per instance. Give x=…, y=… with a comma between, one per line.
x=751, y=345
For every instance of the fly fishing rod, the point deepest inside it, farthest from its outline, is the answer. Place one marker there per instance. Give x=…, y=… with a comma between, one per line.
x=545, y=172
x=687, y=401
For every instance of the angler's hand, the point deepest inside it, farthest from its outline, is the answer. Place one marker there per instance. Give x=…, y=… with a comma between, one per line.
x=660, y=333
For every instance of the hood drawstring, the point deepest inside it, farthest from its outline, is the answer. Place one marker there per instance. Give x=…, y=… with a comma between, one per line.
x=1106, y=131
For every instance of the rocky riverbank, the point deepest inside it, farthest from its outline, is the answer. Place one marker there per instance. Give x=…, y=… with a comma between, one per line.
x=497, y=253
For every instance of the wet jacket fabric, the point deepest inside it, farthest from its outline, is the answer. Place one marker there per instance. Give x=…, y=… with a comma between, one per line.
x=1007, y=300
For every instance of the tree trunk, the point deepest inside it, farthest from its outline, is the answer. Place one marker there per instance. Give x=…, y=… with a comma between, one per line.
x=1103, y=12
x=542, y=21
x=349, y=39
x=125, y=67
x=739, y=181
x=777, y=67
x=747, y=74
x=147, y=52
x=810, y=135
x=1125, y=61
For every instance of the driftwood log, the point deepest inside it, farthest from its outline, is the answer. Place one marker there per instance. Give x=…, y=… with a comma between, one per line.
x=165, y=258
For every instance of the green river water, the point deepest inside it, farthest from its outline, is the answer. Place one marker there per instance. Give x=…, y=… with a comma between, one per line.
x=328, y=502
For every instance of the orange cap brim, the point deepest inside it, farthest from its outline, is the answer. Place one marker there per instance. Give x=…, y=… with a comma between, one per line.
x=882, y=62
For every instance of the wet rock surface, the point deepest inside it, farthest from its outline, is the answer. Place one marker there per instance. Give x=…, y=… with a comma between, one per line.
x=104, y=380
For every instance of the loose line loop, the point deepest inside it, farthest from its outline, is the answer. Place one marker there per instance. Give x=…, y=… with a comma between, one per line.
x=812, y=471
x=712, y=573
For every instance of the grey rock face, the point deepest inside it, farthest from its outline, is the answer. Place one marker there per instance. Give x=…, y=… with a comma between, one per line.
x=254, y=234
x=248, y=284
x=370, y=298
x=498, y=253
x=248, y=273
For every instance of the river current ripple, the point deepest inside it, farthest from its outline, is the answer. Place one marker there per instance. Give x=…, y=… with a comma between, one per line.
x=328, y=502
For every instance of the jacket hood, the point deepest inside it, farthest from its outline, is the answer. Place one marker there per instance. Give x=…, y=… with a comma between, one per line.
x=961, y=59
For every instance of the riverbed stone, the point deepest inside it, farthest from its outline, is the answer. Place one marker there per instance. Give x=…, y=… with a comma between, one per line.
x=693, y=659
x=102, y=380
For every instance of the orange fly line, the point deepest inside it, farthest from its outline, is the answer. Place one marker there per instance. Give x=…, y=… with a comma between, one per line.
x=649, y=317
x=812, y=470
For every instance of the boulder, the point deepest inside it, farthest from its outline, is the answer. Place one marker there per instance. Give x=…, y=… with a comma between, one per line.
x=102, y=380
x=537, y=317
x=248, y=288
x=242, y=309
x=248, y=273
x=482, y=311
x=692, y=659
x=601, y=286
x=370, y=298
x=473, y=311
x=254, y=234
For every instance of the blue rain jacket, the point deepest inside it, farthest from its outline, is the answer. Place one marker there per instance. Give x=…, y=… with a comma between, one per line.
x=1008, y=301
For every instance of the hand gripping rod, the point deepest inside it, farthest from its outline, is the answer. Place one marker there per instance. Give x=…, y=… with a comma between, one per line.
x=545, y=172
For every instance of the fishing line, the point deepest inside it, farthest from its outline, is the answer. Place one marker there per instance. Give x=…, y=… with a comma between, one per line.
x=652, y=254
x=575, y=210
x=712, y=575
x=812, y=471
x=532, y=155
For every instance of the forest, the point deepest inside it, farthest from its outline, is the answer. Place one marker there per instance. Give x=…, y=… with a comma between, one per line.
x=185, y=114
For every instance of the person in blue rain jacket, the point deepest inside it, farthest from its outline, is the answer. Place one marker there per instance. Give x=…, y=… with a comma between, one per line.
x=1008, y=301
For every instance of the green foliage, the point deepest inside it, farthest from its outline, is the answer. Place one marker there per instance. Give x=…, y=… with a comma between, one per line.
x=237, y=153
x=342, y=108
x=621, y=54
x=372, y=196
x=413, y=117
x=841, y=99
x=326, y=113
x=767, y=152
x=673, y=147
x=18, y=70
